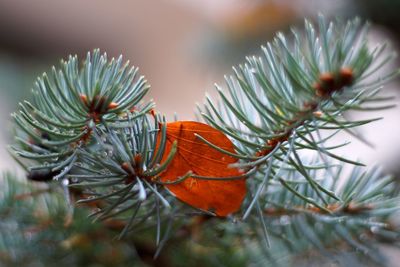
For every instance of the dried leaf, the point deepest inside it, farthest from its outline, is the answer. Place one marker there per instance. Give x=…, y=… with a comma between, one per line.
x=221, y=197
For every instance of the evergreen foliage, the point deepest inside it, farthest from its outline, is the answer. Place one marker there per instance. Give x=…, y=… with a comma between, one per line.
x=89, y=132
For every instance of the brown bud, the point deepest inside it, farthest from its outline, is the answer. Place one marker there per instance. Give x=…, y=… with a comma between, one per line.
x=112, y=105
x=83, y=98
x=318, y=114
x=138, y=159
x=125, y=166
x=319, y=91
x=346, y=76
x=327, y=80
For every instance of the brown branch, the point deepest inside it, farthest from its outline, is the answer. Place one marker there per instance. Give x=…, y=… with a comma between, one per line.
x=349, y=209
x=327, y=84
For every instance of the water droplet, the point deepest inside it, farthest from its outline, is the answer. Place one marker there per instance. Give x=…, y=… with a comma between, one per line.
x=65, y=182
x=374, y=229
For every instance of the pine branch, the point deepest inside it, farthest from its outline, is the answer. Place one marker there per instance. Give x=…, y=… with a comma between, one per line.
x=275, y=106
x=299, y=87
x=295, y=227
x=69, y=105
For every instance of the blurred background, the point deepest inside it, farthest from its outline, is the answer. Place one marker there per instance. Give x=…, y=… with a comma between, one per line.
x=183, y=47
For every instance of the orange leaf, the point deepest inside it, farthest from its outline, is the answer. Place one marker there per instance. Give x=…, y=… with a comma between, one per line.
x=221, y=197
